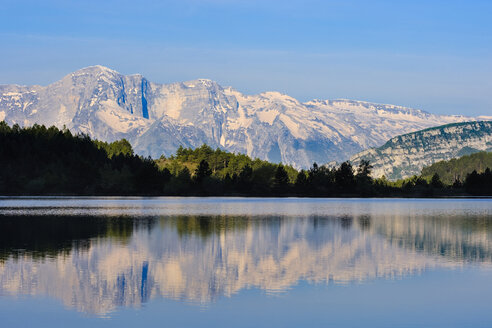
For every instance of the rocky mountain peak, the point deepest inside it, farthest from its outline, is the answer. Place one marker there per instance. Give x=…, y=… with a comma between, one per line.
x=158, y=118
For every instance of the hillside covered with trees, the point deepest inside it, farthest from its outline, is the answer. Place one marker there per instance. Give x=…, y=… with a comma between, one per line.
x=48, y=161
x=45, y=161
x=457, y=169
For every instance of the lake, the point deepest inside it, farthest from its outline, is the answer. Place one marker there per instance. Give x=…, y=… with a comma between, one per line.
x=245, y=262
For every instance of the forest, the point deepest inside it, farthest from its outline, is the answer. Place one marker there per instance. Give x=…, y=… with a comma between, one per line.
x=49, y=161
x=457, y=169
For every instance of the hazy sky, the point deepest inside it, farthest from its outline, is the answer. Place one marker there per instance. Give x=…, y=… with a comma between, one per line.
x=433, y=55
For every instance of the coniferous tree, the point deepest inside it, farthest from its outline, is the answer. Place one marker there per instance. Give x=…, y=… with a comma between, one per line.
x=281, y=180
x=301, y=184
x=203, y=171
x=344, y=178
x=363, y=178
x=436, y=181
x=244, y=179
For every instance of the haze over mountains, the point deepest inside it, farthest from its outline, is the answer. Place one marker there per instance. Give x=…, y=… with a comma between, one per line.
x=158, y=118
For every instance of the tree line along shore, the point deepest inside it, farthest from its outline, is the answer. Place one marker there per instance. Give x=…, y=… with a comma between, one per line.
x=41, y=160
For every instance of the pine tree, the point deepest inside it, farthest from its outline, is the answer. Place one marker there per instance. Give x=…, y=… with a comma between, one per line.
x=301, y=184
x=436, y=181
x=281, y=180
x=202, y=171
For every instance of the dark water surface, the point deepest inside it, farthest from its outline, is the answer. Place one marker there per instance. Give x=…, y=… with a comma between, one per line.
x=245, y=262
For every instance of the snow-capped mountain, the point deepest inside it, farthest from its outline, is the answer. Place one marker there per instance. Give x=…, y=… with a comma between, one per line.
x=406, y=155
x=158, y=118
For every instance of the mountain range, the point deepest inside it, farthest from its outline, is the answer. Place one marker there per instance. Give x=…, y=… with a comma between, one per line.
x=408, y=154
x=158, y=118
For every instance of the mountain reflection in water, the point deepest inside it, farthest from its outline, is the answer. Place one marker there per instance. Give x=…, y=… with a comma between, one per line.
x=98, y=263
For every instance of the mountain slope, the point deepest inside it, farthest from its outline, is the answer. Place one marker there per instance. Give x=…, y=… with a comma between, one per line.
x=406, y=155
x=459, y=168
x=157, y=118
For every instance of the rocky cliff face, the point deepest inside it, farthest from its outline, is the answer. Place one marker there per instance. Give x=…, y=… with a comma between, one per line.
x=406, y=155
x=158, y=118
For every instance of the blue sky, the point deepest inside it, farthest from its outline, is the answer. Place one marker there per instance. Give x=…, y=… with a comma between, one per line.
x=434, y=55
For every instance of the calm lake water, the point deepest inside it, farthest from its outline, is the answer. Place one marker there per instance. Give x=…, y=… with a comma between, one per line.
x=245, y=262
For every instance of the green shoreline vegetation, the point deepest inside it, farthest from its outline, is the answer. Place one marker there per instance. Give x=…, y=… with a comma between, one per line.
x=48, y=161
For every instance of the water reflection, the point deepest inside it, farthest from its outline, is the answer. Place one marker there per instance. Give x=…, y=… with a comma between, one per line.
x=96, y=264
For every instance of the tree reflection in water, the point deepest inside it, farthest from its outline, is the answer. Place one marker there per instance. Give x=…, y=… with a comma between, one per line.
x=95, y=263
